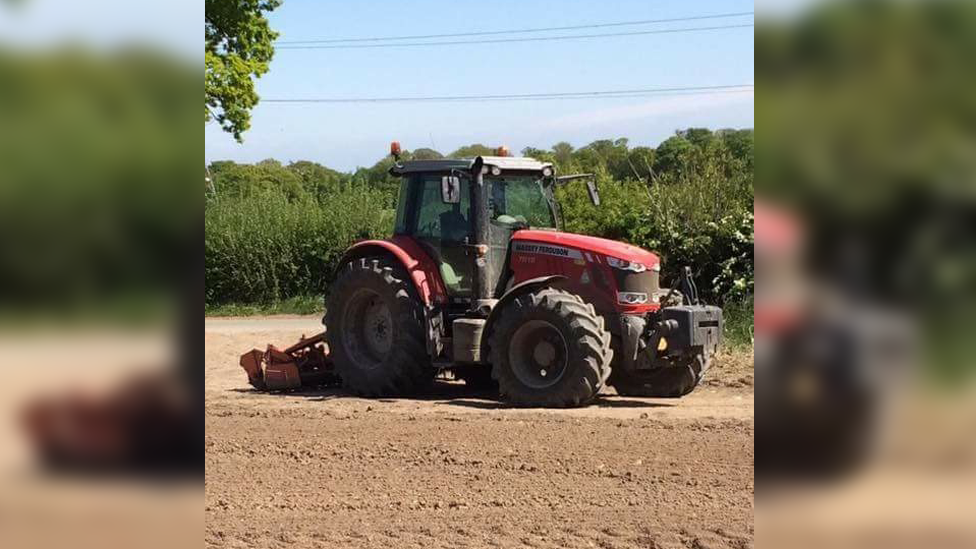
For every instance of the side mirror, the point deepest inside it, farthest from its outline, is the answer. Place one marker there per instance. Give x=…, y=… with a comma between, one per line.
x=450, y=189
x=593, y=191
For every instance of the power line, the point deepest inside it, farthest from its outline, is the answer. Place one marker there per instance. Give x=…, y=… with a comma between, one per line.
x=501, y=40
x=511, y=99
x=520, y=31
x=689, y=90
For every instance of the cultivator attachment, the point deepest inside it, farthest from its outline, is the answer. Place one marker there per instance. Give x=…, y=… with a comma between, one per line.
x=304, y=364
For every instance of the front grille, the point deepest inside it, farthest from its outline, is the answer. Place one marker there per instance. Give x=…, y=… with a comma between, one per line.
x=646, y=282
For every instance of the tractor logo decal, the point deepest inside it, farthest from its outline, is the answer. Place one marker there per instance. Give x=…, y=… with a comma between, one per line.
x=546, y=249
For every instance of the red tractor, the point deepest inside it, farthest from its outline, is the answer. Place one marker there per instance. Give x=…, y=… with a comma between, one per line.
x=477, y=279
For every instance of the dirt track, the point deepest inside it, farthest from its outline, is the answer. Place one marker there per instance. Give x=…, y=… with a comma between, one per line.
x=457, y=469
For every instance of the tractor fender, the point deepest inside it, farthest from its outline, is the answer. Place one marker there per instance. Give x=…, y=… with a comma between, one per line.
x=513, y=292
x=416, y=262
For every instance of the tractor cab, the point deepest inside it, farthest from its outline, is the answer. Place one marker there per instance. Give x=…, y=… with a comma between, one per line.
x=435, y=210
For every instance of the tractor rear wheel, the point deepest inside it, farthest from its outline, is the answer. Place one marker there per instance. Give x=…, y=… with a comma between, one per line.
x=672, y=381
x=549, y=348
x=376, y=330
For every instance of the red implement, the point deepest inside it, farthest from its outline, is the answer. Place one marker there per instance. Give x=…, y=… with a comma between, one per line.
x=304, y=364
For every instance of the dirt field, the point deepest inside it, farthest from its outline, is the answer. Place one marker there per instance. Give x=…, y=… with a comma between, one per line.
x=458, y=469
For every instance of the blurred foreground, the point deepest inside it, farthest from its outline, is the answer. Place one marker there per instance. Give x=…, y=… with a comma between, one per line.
x=866, y=275
x=97, y=499
x=100, y=218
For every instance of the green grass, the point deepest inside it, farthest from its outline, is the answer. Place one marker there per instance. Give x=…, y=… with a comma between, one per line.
x=738, y=324
x=299, y=305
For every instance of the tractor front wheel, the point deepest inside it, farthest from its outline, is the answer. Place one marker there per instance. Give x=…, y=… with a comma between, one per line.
x=549, y=348
x=376, y=330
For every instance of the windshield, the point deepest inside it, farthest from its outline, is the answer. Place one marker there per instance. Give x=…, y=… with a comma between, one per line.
x=520, y=200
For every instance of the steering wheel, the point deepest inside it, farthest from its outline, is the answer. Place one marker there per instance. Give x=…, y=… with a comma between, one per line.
x=515, y=223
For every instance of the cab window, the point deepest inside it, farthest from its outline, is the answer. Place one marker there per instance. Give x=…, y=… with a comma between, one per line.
x=437, y=220
x=520, y=200
x=442, y=228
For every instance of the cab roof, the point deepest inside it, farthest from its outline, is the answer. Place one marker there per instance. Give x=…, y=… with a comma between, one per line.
x=447, y=164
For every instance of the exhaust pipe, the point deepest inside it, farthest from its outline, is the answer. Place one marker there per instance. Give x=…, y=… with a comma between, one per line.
x=479, y=221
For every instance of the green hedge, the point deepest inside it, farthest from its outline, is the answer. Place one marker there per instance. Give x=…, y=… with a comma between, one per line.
x=265, y=247
x=707, y=225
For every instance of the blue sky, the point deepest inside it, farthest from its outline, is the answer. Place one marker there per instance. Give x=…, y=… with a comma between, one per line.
x=344, y=136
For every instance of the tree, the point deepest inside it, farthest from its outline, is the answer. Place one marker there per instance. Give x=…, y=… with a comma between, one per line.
x=378, y=175
x=472, y=151
x=700, y=137
x=242, y=180
x=538, y=154
x=239, y=46
x=672, y=155
x=563, y=152
x=640, y=161
x=741, y=143
x=426, y=154
x=316, y=178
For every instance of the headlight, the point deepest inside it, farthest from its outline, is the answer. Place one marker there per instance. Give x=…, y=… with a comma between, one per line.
x=631, y=298
x=625, y=265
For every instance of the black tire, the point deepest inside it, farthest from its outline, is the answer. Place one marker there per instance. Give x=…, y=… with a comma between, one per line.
x=672, y=381
x=394, y=362
x=580, y=356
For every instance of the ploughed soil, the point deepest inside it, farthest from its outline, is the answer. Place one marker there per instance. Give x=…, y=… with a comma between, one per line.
x=456, y=468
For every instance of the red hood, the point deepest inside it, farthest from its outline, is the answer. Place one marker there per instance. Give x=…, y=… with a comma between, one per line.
x=603, y=246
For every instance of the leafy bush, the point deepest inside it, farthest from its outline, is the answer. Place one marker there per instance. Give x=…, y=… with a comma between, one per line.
x=699, y=215
x=264, y=247
x=98, y=178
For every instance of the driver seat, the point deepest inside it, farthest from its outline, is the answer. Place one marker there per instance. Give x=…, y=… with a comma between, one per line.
x=454, y=228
